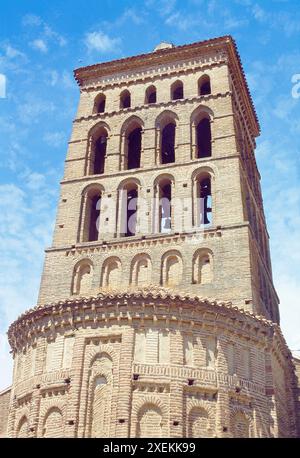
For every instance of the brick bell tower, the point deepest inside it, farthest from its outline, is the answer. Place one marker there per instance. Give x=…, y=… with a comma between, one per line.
x=157, y=314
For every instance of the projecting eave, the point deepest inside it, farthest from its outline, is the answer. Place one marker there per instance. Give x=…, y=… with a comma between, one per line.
x=177, y=53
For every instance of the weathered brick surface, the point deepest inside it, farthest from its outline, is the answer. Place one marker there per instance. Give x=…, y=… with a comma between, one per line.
x=122, y=343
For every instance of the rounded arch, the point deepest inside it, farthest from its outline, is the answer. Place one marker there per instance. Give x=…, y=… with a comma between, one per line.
x=111, y=273
x=141, y=270
x=149, y=421
x=166, y=117
x=171, y=268
x=23, y=427
x=176, y=90
x=150, y=399
x=163, y=209
x=164, y=177
x=202, y=111
x=105, y=350
x=241, y=423
x=91, y=189
x=131, y=138
x=98, y=127
x=82, y=277
x=166, y=137
x=90, y=212
x=203, y=172
x=195, y=403
x=150, y=94
x=98, y=355
x=98, y=137
x=53, y=423
x=203, y=196
x=99, y=103
x=204, y=85
x=125, y=99
x=199, y=422
x=201, y=132
x=128, y=183
x=202, y=266
x=131, y=122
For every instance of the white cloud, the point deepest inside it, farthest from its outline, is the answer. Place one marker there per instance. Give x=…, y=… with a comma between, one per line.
x=32, y=108
x=99, y=41
x=55, y=139
x=27, y=215
x=2, y=86
x=40, y=45
x=35, y=181
x=31, y=20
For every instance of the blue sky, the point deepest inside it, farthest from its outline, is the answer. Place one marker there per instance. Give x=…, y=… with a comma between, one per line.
x=40, y=45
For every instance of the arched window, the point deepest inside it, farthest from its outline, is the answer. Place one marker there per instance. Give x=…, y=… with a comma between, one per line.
x=204, y=85
x=129, y=206
x=125, y=99
x=141, y=270
x=99, y=104
x=150, y=95
x=23, y=428
x=168, y=143
x=240, y=425
x=171, y=269
x=202, y=267
x=165, y=205
x=97, y=149
x=134, y=144
x=149, y=421
x=53, y=424
x=82, y=277
x=203, y=133
x=199, y=423
x=204, y=201
x=99, y=396
x=111, y=273
x=177, y=90
x=92, y=208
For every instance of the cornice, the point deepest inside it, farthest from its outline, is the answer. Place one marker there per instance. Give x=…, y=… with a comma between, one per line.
x=76, y=311
x=163, y=56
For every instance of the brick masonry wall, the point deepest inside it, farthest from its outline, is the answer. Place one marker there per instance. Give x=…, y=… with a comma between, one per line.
x=112, y=359
x=4, y=411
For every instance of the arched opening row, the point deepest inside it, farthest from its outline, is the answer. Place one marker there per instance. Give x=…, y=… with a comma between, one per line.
x=176, y=93
x=141, y=272
x=165, y=144
x=132, y=209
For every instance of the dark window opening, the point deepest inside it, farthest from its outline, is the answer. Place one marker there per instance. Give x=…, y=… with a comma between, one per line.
x=177, y=91
x=125, y=100
x=95, y=203
x=205, y=201
x=131, y=212
x=151, y=95
x=100, y=154
x=168, y=144
x=165, y=208
x=134, y=149
x=204, y=138
x=204, y=86
x=99, y=106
